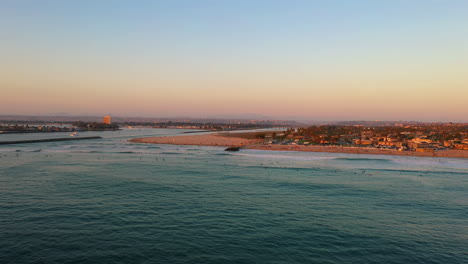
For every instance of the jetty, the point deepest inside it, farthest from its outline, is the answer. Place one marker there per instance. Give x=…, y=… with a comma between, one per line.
x=45, y=140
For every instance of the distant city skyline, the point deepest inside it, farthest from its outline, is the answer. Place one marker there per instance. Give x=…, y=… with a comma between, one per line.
x=297, y=60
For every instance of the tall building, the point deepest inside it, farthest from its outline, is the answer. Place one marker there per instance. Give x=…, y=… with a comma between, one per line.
x=107, y=120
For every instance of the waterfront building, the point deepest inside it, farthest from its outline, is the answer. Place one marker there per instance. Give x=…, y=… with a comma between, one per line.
x=107, y=120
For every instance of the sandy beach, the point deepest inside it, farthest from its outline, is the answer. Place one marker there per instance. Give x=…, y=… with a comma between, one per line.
x=223, y=141
x=201, y=140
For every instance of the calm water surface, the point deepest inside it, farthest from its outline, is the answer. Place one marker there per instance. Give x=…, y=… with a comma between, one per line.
x=111, y=201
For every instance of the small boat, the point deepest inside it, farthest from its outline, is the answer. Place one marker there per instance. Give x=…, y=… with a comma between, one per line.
x=74, y=134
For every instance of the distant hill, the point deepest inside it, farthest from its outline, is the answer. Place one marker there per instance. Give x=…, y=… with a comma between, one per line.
x=375, y=123
x=117, y=119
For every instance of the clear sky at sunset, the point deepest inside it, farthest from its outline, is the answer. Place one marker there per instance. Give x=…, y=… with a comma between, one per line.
x=309, y=60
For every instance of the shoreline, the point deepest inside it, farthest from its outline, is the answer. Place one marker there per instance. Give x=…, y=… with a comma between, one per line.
x=224, y=141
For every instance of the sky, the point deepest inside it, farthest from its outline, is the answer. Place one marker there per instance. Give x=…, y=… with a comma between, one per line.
x=290, y=59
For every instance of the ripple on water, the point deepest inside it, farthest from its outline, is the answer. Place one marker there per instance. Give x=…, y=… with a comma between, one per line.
x=133, y=203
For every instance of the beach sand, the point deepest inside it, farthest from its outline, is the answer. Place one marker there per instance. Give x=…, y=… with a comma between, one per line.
x=224, y=141
x=201, y=140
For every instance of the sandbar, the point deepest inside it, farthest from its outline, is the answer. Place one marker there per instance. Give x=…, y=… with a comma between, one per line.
x=200, y=140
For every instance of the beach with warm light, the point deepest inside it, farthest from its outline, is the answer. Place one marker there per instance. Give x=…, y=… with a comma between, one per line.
x=201, y=140
x=220, y=139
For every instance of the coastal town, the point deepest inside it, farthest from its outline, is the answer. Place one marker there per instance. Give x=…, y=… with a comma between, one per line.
x=59, y=127
x=419, y=137
x=70, y=124
x=79, y=126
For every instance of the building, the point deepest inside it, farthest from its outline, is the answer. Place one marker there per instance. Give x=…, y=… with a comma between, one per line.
x=107, y=120
x=461, y=146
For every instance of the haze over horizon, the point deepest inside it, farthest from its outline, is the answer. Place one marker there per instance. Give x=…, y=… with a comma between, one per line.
x=301, y=60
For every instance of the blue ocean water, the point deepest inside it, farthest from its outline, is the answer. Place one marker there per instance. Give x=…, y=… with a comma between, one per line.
x=112, y=201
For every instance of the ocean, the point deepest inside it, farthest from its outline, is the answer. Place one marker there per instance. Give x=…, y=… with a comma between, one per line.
x=112, y=201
